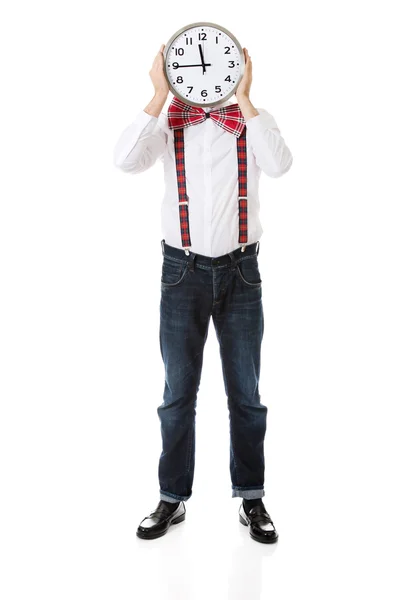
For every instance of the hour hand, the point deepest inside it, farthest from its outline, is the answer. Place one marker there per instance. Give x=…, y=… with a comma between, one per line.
x=202, y=59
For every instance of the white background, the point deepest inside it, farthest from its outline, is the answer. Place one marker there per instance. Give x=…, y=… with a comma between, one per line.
x=81, y=370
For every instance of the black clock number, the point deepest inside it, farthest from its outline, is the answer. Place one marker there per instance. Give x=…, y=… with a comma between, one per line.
x=187, y=41
x=179, y=52
x=217, y=89
x=228, y=78
x=179, y=79
x=227, y=50
x=202, y=36
x=175, y=65
x=204, y=93
x=231, y=64
x=190, y=87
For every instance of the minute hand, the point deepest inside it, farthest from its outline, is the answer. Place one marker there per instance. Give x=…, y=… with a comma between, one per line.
x=181, y=66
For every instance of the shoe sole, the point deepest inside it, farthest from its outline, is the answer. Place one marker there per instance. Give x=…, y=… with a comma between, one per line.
x=147, y=536
x=257, y=539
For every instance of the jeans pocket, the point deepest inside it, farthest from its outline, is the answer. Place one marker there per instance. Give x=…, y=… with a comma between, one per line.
x=249, y=271
x=173, y=271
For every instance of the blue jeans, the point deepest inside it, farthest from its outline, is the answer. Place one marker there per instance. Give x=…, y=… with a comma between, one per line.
x=228, y=289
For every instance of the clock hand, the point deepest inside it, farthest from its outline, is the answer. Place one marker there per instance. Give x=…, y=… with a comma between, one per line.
x=205, y=65
x=202, y=59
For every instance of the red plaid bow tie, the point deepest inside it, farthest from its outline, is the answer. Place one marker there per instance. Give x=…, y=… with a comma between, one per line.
x=228, y=117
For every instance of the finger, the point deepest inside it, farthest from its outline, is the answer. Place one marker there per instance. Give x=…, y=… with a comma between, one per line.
x=157, y=56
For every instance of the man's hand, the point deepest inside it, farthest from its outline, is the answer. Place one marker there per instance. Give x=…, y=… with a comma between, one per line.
x=160, y=83
x=243, y=89
x=157, y=74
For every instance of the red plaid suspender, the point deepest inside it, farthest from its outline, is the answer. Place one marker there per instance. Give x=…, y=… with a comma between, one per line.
x=179, y=144
x=242, y=185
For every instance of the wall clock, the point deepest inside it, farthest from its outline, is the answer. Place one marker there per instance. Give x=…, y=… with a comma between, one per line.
x=203, y=64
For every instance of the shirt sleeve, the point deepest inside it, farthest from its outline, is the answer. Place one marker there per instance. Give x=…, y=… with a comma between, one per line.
x=270, y=150
x=140, y=144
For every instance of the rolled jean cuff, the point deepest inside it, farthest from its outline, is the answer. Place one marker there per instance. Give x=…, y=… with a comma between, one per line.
x=172, y=497
x=248, y=493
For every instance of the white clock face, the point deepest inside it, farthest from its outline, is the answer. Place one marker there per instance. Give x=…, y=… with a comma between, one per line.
x=204, y=64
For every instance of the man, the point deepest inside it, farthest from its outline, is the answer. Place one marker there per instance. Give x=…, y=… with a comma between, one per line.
x=210, y=269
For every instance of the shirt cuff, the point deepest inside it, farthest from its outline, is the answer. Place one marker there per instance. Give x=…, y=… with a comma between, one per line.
x=143, y=119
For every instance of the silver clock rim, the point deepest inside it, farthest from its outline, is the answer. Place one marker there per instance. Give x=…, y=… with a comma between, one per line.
x=177, y=34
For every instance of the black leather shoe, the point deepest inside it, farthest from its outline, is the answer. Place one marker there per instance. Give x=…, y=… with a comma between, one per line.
x=159, y=521
x=262, y=528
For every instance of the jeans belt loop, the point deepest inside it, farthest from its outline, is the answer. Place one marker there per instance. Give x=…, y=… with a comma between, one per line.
x=233, y=261
x=191, y=261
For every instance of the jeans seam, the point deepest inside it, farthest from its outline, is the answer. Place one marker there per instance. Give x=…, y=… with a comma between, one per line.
x=233, y=441
x=190, y=442
x=189, y=452
x=256, y=284
x=177, y=260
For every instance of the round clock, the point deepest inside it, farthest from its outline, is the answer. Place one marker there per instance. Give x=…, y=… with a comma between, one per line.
x=203, y=64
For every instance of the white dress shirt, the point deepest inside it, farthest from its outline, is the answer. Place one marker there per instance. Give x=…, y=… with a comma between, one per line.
x=211, y=175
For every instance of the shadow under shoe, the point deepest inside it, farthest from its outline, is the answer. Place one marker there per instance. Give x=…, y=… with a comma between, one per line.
x=261, y=526
x=159, y=521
